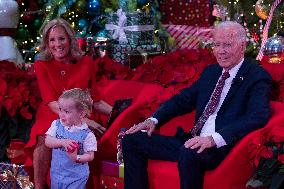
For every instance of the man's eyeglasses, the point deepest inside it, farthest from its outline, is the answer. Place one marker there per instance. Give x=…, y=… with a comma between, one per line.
x=222, y=45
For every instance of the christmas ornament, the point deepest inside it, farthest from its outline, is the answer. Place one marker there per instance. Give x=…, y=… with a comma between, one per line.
x=82, y=23
x=20, y=1
x=62, y=9
x=93, y=6
x=27, y=18
x=255, y=36
x=37, y=23
x=273, y=48
x=22, y=33
x=141, y=3
x=261, y=10
x=47, y=8
x=71, y=2
x=102, y=33
x=80, y=6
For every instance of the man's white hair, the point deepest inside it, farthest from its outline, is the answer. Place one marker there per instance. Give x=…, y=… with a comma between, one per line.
x=240, y=31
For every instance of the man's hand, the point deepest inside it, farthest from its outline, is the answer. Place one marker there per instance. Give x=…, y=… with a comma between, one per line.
x=95, y=127
x=147, y=125
x=200, y=142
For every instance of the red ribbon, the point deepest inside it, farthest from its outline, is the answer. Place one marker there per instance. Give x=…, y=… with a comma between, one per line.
x=7, y=31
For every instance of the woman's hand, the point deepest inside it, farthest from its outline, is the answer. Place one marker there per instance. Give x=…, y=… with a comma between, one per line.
x=102, y=107
x=54, y=106
x=95, y=127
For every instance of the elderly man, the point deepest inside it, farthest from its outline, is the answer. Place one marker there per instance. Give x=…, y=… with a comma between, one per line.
x=231, y=99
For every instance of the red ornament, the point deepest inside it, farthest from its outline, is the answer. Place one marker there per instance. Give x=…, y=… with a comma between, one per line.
x=20, y=2
x=28, y=18
x=255, y=36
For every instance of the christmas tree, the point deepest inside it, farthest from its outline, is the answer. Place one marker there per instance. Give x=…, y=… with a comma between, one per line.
x=88, y=17
x=253, y=15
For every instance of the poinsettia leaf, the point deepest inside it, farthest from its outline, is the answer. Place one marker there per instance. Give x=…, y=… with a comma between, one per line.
x=3, y=87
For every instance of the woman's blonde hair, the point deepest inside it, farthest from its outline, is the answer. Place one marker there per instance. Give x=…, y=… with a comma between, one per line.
x=45, y=54
x=82, y=98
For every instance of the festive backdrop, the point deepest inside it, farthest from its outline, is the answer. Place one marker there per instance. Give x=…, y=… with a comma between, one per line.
x=167, y=42
x=89, y=17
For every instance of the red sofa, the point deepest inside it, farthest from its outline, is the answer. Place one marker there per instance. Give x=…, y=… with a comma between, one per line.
x=232, y=173
x=235, y=170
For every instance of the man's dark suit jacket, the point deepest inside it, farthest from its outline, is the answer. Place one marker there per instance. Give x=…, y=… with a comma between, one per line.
x=245, y=108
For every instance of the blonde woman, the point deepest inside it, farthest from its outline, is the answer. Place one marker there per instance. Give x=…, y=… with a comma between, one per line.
x=60, y=67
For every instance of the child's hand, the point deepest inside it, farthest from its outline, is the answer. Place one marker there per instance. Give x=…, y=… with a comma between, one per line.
x=70, y=145
x=73, y=155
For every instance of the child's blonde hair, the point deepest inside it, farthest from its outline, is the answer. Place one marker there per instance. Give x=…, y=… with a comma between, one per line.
x=82, y=98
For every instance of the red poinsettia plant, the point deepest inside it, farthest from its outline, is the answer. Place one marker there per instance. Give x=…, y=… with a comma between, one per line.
x=174, y=71
x=19, y=92
x=179, y=67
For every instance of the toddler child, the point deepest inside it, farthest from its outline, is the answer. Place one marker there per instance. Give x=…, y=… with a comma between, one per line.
x=72, y=142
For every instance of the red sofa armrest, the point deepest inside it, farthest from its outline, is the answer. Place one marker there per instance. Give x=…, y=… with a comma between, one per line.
x=142, y=94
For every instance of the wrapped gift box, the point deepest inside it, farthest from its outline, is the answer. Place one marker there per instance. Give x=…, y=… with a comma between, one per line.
x=119, y=51
x=112, y=175
x=14, y=177
x=111, y=182
x=113, y=169
x=136, y=58
x=15, y=151
x=187, y=12
x=189, y=37
x=138, y=27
